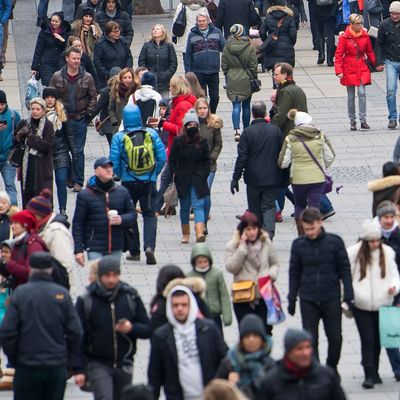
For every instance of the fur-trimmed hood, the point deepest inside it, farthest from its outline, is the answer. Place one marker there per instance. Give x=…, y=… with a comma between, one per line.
x=284, y=9
x=236, y=237
x=384, y=183
x=196, y=285
x=215, y=122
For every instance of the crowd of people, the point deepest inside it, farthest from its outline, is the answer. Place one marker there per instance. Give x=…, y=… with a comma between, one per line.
x=165, y=137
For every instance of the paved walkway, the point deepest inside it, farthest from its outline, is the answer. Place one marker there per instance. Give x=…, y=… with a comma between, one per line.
x=359, y=159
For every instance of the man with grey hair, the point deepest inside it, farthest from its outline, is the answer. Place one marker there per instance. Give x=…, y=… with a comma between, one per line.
x=202, y=56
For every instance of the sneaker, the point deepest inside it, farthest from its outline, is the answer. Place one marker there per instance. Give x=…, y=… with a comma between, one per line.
x=353, y=126
x=133, y=257
x=278, y=216
x=77, y=188
x=328, y=214
x=150, y=259
x=392, y=124
x=237, y=135
x=364, y=125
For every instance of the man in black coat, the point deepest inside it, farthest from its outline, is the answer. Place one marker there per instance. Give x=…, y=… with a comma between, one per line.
x=186, y=352
x=40, y=334
x=318, y=263
x=113, y=318
x=258, y=153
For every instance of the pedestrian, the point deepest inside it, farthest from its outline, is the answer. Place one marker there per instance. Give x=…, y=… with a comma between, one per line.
x=299, y=13
x=94, y=228
x=250, y=255
x=7, y=210
x=189, y=162
x=37, y=133
x=308, y=152
x=318, y=266
x=159, y=57
x=95, y=5
x=239, y=64
x=63, y=145
x=312, y=10
x=141, y=184
x=10, y=119
x=217, y=295
x=41, y=350
x=76, y=89
x=113, y=318
x=42, y=9
x=249, y=359
x=186, y=352
x=376, y=281
x=110, y=51
x=5, y=13
x=50, y=44
x=220, y=389
x=353, y=49
x=388, y=56
x=195, y=86
x=298, y=374
x=257, y=159
x=202, y=56
x=326, y=22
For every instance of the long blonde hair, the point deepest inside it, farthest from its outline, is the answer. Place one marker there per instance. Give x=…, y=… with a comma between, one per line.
x=117, y=82
x=60, y=111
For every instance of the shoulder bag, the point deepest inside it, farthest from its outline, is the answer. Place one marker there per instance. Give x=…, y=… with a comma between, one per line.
x=255, y=84
x=16, y=155
x=270, y=42
x=243, y=291
x=368, y=63
x=179, y=25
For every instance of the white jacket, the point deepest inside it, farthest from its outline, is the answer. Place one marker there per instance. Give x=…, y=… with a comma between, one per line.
x=372, y=292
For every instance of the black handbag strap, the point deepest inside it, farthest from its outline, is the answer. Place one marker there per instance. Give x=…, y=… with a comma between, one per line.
x=245, y=69
x=311, y=155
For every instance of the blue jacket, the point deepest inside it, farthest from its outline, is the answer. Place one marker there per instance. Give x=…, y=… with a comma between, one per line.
x=7, y=135
x=5, y=11
x=203, y=53
x=133, y=122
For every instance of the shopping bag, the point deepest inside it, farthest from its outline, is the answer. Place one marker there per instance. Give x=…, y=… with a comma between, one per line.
x=170, y=198
x=270, y=295
x=389, y=327
x=32, y=91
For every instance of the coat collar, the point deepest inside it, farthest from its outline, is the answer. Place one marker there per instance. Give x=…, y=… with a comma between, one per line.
x=384, y=183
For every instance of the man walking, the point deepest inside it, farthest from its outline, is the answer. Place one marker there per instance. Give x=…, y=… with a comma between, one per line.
x=204, y=45
x=40, y=333
x=318, y=264
x=77, y=91
x=258, y=153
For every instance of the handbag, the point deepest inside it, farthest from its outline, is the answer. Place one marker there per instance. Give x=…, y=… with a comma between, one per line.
x=179, y=25
x=389, y=327
x=32, y=91
x=328, y=178
x=270, y=42
x=368, y=63
x=170, y=198
x=98, y=123
x=16, y=155
x=255, y=84
x=272, y=300
x=243, y=291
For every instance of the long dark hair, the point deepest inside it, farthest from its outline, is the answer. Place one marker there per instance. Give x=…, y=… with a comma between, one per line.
x=364, y=258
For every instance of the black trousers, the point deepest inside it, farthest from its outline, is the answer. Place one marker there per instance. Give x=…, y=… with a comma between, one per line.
x=242, y=309
x=210, y=84
x=331, y=314
x=326, y=30
x=313, y=23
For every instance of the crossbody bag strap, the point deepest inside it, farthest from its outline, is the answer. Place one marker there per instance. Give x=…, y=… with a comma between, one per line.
x=312, y=156
x=245, y=69
x=360, y=54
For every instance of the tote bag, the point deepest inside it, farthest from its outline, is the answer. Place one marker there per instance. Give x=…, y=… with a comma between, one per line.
x=272, y=299
x=389, y=327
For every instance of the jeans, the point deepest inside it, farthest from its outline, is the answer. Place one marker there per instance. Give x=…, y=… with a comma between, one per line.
x=394, y=358
x=331, y=314
x=68, y=8
x=42, y=8
x=61, y=175
x=326, y=205
x=95, y=255
x=362, y=103
x=144, y=193
x=166, y=179
x=210, y=84
x=260, y=309
x=197, y=204
x=245, y=105
x=307, y=195
x=285, y=193
x=80, y=131
x=392, y=75
x=8, y=172
x=39, y=383
x=207, y=199
x=261, y=202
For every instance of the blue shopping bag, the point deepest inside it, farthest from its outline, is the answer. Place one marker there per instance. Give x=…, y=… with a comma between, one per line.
x=389, y=327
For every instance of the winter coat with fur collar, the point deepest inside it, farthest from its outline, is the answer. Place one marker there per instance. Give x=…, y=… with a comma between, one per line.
x=387, y=188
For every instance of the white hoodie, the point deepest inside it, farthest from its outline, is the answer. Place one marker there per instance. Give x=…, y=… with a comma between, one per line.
x=189, y=367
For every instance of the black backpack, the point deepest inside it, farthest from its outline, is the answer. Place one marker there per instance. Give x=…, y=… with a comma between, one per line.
x=146, y=109
x=179, y=25
x=60, y=274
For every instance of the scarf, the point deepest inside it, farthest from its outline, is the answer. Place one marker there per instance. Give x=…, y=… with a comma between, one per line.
x=111, y=14
x=104, y=186
x=52, y=116
x=299, y=373
x=108, y=294
x=56, y=30
x=354, y=33
x=84, y=33
x=254, y=251
x=287, y=82
x=122, y=90
x=40, y=224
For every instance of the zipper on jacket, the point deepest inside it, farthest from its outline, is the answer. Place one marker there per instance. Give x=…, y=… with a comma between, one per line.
x=108, y=222
x=114, y=323
x=318, y=277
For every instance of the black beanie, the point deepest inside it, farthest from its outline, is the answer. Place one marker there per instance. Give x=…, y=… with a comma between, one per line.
x=88, y=11
x=150, y=79
x=252, y=323
x=41, y=260
x=49, y=91
x=3, y=97
x=108, y=264
x=295, y=336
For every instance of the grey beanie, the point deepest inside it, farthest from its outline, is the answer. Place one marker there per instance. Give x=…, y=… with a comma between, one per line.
x=295, y=336
x=394, y=7
x=108, y=264
x=190, y=116
x=370, y=231
x=114, y=71
x=384, y=208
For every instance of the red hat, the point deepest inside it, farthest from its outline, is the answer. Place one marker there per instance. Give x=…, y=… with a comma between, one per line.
x=26, y=218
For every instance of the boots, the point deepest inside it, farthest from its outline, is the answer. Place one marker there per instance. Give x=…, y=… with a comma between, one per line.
x=299, y=226
x=185, y=233
x=369, y=380
x=330, y=53
x=199, y=228
x=321, y=51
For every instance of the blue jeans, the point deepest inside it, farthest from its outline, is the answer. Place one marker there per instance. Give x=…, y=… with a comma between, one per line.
x=207, y=199
x=42, y=8
x=61, y=175
x=326, y=205
x=95, y=255
x=392, y=75
x=394, y=358
x=80, y=131
x=197, y=204
x=165, y=180
x=245, y=105
x=8, y=172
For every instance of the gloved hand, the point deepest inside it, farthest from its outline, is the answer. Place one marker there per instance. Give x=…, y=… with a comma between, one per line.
x=234, y=186
x=291, y=308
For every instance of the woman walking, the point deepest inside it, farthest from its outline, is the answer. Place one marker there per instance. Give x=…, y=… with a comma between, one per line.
x=353, y=50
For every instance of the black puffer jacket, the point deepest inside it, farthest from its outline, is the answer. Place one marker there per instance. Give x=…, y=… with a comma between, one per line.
x=99, y=320
x=160, y=60
x=121, y=17
x=91, y=228
x=108, y=54
x=64, y=143
x=283, y=49
x=48, y=51
x=317, y=267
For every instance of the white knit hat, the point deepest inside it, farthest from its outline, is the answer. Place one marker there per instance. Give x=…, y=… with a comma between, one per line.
x=394, y=7
x=299, y=117
x=370, y=231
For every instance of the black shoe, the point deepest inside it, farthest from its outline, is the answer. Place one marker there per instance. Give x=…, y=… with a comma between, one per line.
x=328, y=215
x=330, y=63
x=133, y=257
x=364, y=125
x=38, y=21
x=150, y=259
x=392, y=124
x=397, y=377
x=378, y=380
x=368, y=383
x=353, y=126
x=321, y=59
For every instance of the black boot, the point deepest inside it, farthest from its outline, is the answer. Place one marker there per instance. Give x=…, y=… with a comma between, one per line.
x=321, y=51
x=369, y=381
x=330, y=54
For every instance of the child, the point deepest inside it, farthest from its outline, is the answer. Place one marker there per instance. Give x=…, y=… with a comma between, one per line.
x=163, y=112
x=217, y=296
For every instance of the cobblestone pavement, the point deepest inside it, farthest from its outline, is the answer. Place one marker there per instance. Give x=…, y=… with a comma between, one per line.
x=359, y=159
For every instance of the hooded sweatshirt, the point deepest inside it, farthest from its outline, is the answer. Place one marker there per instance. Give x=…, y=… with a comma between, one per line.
x=189, y=367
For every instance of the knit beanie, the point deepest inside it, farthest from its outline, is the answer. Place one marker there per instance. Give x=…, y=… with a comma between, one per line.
x=114, y=71
x=386, y=207
x=237, y=30
x=41, y=205
x=295, y=336
x=49, y=91
x=3, y=97
x=60, y=14
x=108, y=264
x=394, y=7
x=41, y=260
x=38, y=100
x=299, y=117
x=251, y=323
x=88, y=11
x=26, y=218
x=370, y=231
x=190, y=116
x=150, y=79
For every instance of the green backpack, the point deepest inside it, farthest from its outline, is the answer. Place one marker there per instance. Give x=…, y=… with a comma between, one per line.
x=139, y=148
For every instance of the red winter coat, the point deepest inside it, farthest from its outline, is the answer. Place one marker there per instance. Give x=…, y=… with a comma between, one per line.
x=180, y=106
x=349, y=60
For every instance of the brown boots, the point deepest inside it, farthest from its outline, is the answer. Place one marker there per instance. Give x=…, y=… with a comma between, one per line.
x=199, y=229
x=185, y=233
x=299, y=226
